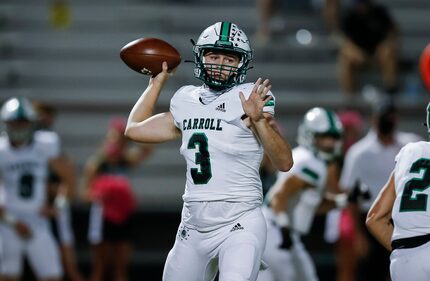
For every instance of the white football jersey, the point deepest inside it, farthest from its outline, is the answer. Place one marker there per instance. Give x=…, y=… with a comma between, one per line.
x=302, y=206
x=24, y=172
x=222, y=155
x=411, y=209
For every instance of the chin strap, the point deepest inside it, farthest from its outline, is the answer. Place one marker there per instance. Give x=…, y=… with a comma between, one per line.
x=193, y=43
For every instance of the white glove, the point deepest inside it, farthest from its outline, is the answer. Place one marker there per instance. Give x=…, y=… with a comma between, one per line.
x=282, y=219
x=61, y=202
x=341, y=200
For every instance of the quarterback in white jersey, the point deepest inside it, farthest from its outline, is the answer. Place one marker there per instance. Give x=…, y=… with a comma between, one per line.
x=400, y=216
x=296, y=195
x=225, y=125
x=24, y=160
x=215, y=134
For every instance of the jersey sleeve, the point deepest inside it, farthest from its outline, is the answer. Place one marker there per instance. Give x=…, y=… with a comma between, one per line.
x=399, y=155
x=309, y=171
x=409, y=151
x=174, y=106
x=49, y=143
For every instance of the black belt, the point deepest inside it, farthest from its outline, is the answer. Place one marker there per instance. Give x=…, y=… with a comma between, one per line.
x=410, y=242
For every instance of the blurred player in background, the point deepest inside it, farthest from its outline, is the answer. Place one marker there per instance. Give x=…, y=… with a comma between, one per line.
x=46, y=116
x=224, y=126
x=107, y=182
x=26, y=156
x=296, y=196
x=369, y=162
x=61, y=222
x=400, y=219
x=339, y=225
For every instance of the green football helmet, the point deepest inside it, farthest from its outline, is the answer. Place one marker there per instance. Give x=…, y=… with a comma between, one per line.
x=225, y=37
x=19, y=116
x=318, y=122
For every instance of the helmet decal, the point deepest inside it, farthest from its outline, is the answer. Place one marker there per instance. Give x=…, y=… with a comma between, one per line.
x=225, y=31
x=333, y=127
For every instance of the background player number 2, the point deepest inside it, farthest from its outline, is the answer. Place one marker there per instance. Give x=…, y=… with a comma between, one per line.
x=416, y=202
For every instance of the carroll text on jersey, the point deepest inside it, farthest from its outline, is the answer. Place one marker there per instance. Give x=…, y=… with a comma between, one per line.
x=201, y=123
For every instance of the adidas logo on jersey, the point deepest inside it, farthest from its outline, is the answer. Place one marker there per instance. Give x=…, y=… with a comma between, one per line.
x=221, y=107
x=237, y=227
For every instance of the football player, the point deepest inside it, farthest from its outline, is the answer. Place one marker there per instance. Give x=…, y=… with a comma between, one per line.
x=369, y=162
x=60, y=220
x=25, y=156
x=108, y=187
x=400, y=216
x=224, y=127
x=296, y=195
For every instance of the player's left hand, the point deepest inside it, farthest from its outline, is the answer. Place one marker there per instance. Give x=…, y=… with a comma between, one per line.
x=253, y=106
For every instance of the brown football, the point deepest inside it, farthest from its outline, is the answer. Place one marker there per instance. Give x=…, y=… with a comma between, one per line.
x=145, y=55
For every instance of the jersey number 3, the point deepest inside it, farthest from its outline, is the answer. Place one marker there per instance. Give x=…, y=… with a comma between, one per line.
x=26, y=185
x=410, y=203
x=204, y=174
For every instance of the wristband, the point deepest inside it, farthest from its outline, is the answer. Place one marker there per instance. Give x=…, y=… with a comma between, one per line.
x=282, y=219
x=60, y=202
x=341, y=200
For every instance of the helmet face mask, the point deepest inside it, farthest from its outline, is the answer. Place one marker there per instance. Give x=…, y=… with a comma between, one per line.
x=327, y=145
x=321, y=132
x=20, y=131
x=224, y=38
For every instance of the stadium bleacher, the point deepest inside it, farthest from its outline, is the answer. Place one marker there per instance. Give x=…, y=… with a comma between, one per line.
x=78, y=70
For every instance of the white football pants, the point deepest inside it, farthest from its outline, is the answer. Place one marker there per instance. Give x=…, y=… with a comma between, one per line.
x=235, y=250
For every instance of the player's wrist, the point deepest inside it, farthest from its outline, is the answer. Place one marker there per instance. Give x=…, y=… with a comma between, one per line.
x=259, y=121
x=157, y=84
